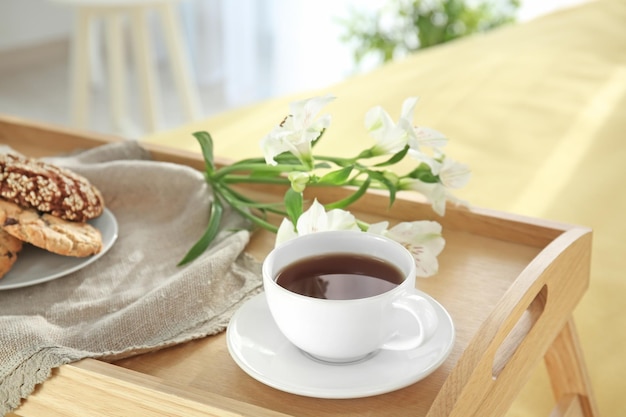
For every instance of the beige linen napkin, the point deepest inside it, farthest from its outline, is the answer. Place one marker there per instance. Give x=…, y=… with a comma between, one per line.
x=134, y=299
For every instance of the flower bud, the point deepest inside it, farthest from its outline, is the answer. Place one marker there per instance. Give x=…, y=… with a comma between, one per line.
x=298, y=180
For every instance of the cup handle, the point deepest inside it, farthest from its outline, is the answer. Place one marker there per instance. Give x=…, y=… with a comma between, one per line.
x=424, y=314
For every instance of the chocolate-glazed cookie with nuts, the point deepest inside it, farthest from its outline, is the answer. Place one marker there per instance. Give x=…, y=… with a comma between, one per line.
x=49, y=232
x=9, y=248
x=47, y=188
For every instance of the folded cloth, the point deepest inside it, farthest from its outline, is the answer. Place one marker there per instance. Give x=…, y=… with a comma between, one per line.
x=134, y=299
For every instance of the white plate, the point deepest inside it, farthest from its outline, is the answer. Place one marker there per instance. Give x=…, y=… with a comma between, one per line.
x=34, y=265
x=260, y=349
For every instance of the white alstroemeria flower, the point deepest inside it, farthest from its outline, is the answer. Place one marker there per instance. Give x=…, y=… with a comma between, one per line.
x=419, y=136
x=431, y=161
x=453, y=174
x=435, y=192
x=297, y=131
x=316, y=219
x=390, y=137
x=422, y=238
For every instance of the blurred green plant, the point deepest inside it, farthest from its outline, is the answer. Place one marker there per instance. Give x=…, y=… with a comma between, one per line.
x=403, y=26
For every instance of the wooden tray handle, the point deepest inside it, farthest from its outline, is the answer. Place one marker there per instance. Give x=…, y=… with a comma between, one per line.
x=499, y=359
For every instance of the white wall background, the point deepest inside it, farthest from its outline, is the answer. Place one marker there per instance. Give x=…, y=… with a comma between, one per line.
x=269, y=47
x=25, y=23
x=253, y=48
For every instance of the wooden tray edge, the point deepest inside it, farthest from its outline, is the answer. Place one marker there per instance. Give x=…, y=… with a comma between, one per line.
x=129, y=392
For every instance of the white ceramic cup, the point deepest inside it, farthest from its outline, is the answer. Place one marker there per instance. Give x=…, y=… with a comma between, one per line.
x=344, y=331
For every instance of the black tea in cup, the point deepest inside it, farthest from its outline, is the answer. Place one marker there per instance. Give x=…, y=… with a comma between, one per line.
x=340, y=276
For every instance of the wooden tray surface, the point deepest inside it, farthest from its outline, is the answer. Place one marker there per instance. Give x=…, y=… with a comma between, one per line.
x=488, y=281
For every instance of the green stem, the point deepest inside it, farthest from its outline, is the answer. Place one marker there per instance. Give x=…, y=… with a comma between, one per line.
x=235, y=198
x=249, y=161
x=237, y=179
x=351, y=198
x=256, y=167
x=342, y=162
x=231, y=198
x=255, y=219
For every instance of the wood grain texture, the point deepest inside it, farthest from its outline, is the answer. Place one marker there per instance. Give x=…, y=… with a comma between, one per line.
x=566, y=364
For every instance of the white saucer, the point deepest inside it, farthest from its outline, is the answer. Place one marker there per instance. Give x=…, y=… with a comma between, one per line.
x=260, y=349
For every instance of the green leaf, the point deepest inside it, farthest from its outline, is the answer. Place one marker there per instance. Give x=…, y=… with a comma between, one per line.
x=293, y=205
x=391, y=187
x=350, y=199
x=395, y=158
x=206, y=144
x=209, y=234
x=337, y=177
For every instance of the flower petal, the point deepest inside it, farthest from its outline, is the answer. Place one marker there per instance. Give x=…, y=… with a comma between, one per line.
x=391, y=141
x=296, y=132
x=285, y=232
x=304, y=111
x=379, y=228
x=276, y=142
x=338, y=219
x=425, y=136
x=377, y=120
x=424, y=233
x=408, y=109
x=426, y=263
x=454, y=174
x=434, y=192
x=318, y=125
x=312, y=220
x=435, y=165
x=390, y=138
x=423, y=239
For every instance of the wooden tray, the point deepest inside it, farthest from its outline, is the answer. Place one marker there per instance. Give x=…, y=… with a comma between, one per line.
x=510, y=284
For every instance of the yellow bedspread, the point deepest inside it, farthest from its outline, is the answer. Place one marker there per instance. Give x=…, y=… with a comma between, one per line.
x=538, y=110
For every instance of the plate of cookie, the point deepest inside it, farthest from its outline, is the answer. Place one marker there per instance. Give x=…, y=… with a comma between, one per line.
x=36, y=265
x=52, y=222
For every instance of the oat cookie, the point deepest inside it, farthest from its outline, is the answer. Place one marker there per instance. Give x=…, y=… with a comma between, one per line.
x=48, y=232
x=9, y=248
x=32, y=183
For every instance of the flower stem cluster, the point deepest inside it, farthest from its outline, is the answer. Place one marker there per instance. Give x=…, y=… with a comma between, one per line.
x=288, y=159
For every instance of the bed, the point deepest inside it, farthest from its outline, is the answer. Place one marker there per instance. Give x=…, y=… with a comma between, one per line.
x=538, y=111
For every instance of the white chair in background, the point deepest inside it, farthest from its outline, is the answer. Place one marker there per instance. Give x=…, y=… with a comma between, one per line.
x=113, y=13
